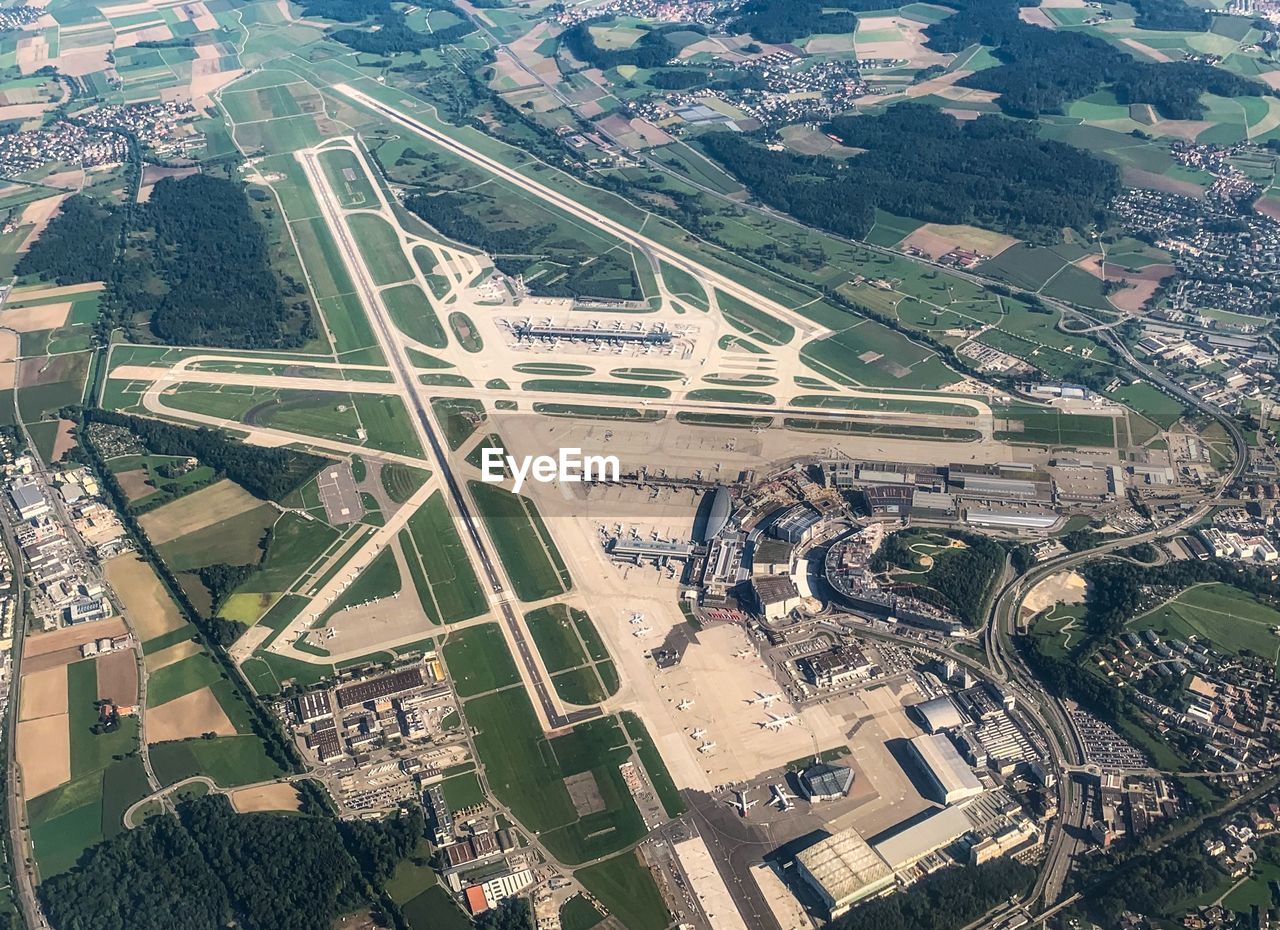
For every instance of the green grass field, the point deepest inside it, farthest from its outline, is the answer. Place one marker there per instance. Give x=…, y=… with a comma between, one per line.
x=526, y=771
x=479, y=660
x=523, y=542
x=626, y=888
x=556, y=639
x=1023, y=423
x=234, y=541
x=458, y=417
x=413, y=315
x=229, y=760
x=1151, y=402
x=442, y=571
x=380, y=247
x=1225, y=616
x=754, y=322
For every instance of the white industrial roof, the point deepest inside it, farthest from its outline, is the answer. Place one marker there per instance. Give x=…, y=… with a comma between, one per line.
x=906, y=848
x=939, y=714
x=951, y=771
x=846, y=866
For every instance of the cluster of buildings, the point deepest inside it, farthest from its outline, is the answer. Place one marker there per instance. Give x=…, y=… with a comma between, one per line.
x=1227, y=255
x=1227, y=370
x=65, y=529
x=1224, y=700
x=1229, y=545
x=376, y=739
x=981, y=823
x=1127, y=805
x=161, y=126
x=701, y=12
x=95, y=138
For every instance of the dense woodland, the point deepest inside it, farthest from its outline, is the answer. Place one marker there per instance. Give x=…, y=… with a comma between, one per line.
x=788, y=20
x=78, y=245
x=212, y=867
x=1043, y=69
x=269, y=473
x=944, y=900
x=651, y=51
x=922, y=163
x=387, y=31
x=195, y=265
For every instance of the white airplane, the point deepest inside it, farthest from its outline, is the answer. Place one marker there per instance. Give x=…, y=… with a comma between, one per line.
x=776, y=723
x=706, y=747
x=685, y=704
x=637, y=619
x=643, y=631
x=742, y=804
x=781, y=797
x=698, y=734
x=765, y=699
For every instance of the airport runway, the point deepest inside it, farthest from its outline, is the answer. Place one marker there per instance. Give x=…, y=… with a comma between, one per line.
x=405, y=377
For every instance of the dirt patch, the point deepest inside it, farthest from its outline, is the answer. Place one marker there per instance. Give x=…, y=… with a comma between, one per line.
x=188, y=717
x=38, y=214
x=153, y=173
x=44, y=693
x=1061, y=588
x=8, y=347
x=1093, y=265
x=51, y=369
x=134, y=484
x=118, y=677
x=149, y=608
x=1268, y=207
x=72, y=637
x=44, y=754
x=1140, y=286
x=64, y=440
x=1136, y=177
x=1154, y=54
x=171, y=654
x=1035, y=16
x=22, y=295
x=280, y=797
x=936, y=240
x=204, y=508
x=584, y=792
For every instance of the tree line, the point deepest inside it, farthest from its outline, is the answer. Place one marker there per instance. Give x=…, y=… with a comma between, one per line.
x=1042, y=69
x=781, y=21
x=193, y=261
x=945, y=900
x=922, y=163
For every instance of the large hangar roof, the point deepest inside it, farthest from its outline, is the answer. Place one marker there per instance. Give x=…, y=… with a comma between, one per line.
x=846, y=866
x=940, y=713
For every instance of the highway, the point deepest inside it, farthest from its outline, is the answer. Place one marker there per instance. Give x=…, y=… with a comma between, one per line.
x=406, y=379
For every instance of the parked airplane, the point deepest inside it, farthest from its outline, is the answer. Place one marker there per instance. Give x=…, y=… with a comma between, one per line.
x=698, y=734
x=776, y=723
x=706, y=747
x=766, y=699
x=637, y=619
x=781, y=797
x=685, y=704
x=742, y=804
x=643, y=631
x=742, y=654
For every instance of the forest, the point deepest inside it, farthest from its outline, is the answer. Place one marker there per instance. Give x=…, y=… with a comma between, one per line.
x=78, y=245
x=195, y=266
x=214, y=868
x=652, y=50
x=944, y=900
x=1043, y=69
x=922, y=163
x=269, y=473
x=782, y=21
x=388, y=32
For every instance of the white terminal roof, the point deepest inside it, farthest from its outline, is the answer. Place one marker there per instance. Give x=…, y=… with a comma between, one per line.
x=951, y=771
x=846, y=867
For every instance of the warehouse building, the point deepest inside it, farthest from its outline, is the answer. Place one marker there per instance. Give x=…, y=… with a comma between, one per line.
x=843, y=870
x=949, y=777
x=938, y=715
x=924, y=837
x=1007, y=519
